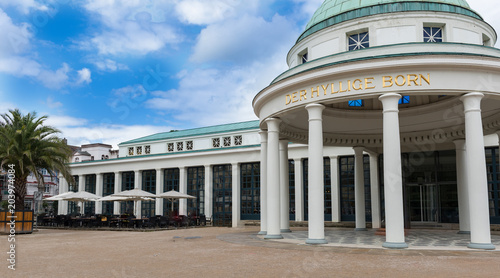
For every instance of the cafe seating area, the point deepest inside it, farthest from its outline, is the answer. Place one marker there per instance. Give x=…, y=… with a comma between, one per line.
x=123, y=221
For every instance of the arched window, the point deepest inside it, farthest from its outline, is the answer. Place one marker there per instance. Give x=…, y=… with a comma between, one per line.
x=77, y=159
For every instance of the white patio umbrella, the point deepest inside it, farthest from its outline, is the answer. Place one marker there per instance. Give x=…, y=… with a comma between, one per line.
x=80, y=196
x=58, y=197
x=135, y=195
x=174, y=195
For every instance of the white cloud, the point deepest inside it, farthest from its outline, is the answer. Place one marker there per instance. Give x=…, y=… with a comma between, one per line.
x=207, y=12
x=108, y=65
x=129, y=28
x=54, y=79
x=83, y=76
x=24, y=6
x=244, y=39
x=53, y=104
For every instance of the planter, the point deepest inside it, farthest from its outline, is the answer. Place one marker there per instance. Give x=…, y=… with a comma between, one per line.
x=23, y=221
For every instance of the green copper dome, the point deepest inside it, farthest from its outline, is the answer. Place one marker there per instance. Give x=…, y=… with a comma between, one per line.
x=335, y=11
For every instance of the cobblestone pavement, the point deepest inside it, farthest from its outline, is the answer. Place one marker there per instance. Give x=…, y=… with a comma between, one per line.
x=416, y=239
x=237, y=252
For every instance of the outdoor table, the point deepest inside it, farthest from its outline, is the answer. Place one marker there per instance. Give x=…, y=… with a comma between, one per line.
x=138, y=221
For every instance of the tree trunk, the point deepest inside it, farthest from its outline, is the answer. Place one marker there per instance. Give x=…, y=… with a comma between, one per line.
x=20, y=192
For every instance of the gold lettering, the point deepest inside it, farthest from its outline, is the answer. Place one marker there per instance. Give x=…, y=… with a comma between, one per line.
x=312, y=91
x=399, y=84
x=333, y=89
x=340, y=88
x=412, y=78
x=384, y=81
x=288, y=99
x=368, y=81
x=324, y=88
x=359, y=86
x=294, y=97
x=428, y=79
x=349, y=85
x=303, y=94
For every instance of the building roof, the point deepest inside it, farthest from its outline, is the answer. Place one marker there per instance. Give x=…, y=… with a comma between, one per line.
x=335, y=11
x=196, y=132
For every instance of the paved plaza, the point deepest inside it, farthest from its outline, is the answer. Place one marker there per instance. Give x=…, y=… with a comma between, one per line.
x=240, y=252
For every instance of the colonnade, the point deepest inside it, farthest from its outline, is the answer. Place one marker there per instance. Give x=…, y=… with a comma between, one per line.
x=471, y=178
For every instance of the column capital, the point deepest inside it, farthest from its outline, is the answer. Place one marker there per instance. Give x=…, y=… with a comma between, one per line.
x=273, y=125
x=358, y=150
x=235, y=164
x=118, y=172
x=472, y=102
x=459, y=144
x=315, y=111
x=298, y=159
x=207, y=165
x=158, y=169
x=390, y=102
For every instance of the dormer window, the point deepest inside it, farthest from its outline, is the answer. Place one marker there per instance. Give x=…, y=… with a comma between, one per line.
x=358, y=41
x=433, y=34
x=304, y=58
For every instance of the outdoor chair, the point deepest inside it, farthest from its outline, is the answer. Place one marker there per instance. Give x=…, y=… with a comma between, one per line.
x=183, y=221
x=203, y=220
x=163, y=222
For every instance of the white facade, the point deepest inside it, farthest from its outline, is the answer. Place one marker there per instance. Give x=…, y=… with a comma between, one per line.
x=376, y=95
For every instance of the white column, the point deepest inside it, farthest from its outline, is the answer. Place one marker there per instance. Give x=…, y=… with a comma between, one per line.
x=334, y=172
x=159, y=190
x=316, y=186
x=182, y=189
x=81, y=182
x=98, y=191
x=62, y=189
x=359, y=190
x=462, y=190
x=477, y=181
x=138, y=184
x=263, y=182
x=299, y=190
x=118, y=188
x=273, y=179
x=236, y=195
x=284, y=188
x=208, y=191
x=375, y=191
x=393, y=183
x=81, y=187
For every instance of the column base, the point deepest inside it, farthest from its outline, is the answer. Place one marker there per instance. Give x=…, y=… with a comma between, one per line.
x=262, y=233
x=285, y=231
x=360, y=229
x=464, y=232
x=316, y=241
x=278, y=236
x=395, y=245
x=484, y=246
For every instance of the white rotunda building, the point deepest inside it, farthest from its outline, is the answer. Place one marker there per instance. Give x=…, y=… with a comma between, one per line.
x=406, y=82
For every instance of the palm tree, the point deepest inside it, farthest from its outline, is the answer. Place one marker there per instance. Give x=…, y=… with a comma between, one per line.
x=28, y=146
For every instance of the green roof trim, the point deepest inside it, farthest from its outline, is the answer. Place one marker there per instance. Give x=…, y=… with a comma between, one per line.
x=359, y=11
x=196, y=132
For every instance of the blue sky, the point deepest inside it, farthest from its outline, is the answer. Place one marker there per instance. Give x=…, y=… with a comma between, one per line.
x=110, y=71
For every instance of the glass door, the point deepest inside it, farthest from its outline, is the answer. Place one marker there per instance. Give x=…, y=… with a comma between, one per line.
x=423, y=202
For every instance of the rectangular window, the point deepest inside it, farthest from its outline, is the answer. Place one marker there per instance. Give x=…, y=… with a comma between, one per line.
x=227, y=141
x=404, y=100
x=216, y=142
x=138, y=150
x=180, y=146
x=196, y=187
x=433, y=34
x=250, y=191
x=170, y=147
x=358, y=41
x=238, y=140
x=356, y=103
x=147, y=149
x=304, y=58
x=170, y=182
x=189, y=145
